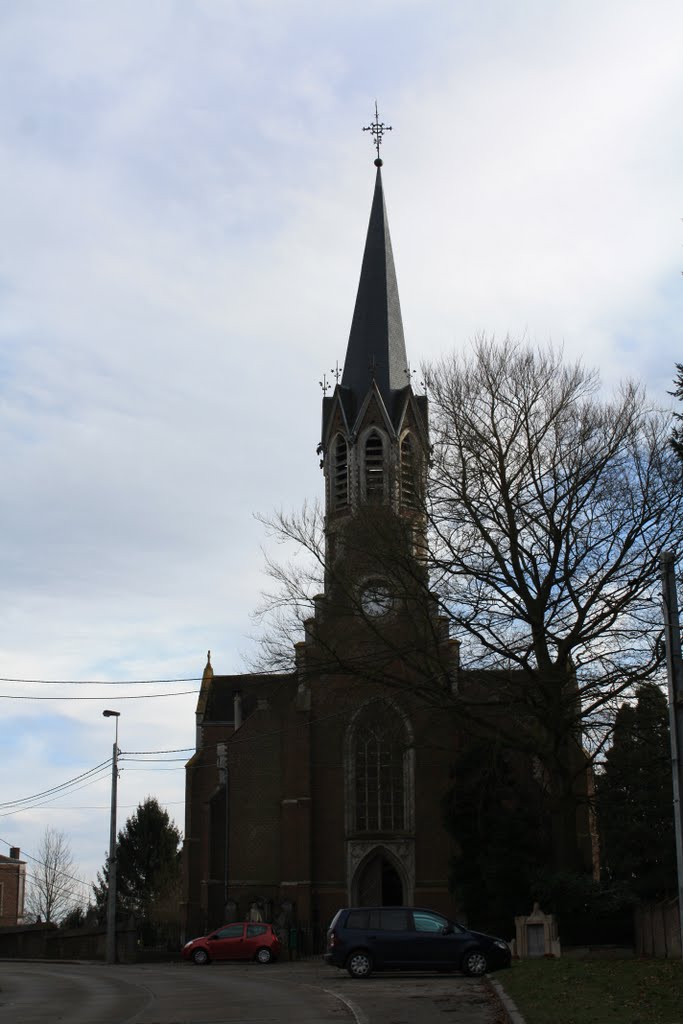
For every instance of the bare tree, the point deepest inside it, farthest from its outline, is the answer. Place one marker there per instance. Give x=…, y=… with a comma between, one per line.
x=547, y=509
x=53, y=888
x=550, y=507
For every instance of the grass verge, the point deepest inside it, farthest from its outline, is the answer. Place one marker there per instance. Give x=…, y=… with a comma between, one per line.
x=596, y=991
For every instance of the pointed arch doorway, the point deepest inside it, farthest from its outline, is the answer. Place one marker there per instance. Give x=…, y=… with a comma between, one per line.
x=378, y=883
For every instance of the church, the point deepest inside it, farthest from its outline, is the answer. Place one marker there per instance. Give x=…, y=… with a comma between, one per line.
x=323, y=787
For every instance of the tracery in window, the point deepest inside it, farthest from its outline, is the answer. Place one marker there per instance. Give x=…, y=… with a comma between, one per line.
x=379, y=756
x=374, y=467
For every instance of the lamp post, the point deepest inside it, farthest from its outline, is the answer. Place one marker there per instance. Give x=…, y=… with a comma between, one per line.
x=111, y=863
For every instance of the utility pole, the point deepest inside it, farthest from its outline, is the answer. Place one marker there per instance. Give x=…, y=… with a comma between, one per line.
x=674, y=667
x=111, y=862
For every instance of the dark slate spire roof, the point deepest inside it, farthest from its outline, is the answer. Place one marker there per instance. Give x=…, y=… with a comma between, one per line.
x=376, y=346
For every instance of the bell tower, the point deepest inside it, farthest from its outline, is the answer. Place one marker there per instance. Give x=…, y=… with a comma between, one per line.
x=375, y=443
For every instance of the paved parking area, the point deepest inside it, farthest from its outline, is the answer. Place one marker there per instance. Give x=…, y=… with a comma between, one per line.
x=308, y=992
x=403, y=998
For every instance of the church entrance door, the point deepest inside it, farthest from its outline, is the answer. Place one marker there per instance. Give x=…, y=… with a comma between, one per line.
x=379, y=884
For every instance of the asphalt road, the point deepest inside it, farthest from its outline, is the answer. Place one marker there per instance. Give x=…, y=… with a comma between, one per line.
x=39, y=992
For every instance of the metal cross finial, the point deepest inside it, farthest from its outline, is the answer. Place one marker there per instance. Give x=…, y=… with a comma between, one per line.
x=412, y=378
x=337, y=371
x=378, y=128
x=324, y=385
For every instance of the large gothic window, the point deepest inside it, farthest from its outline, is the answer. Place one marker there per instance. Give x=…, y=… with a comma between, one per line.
x=340, y=473
x=379, y=770
x=374, y=466
x=409, y=480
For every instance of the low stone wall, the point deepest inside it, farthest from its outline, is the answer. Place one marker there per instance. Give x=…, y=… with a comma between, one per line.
x=25, y=941
x=47, y=942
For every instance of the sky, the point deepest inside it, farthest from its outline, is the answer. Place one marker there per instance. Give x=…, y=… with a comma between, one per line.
x=184, y=196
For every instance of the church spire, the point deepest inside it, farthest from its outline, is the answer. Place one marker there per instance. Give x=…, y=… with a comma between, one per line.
x=376, y=348
x=375, y=431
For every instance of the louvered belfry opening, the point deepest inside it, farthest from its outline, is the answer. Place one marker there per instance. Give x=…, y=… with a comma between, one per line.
x=374, y=467
x=340, y=485
x=408, y=474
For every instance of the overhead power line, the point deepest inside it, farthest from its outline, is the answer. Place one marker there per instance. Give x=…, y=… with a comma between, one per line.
x=61, y=786
x=176, y=750
x=28, y=856
x=117, y=696
x=150, y=760
x=65, y=893
x=82, y=807
x=68, y=791
x=101, y=682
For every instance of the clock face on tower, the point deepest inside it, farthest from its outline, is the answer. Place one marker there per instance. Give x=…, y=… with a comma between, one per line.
x=376, y=599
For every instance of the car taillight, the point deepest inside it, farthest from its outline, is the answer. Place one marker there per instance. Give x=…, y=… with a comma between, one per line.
x=331, y=939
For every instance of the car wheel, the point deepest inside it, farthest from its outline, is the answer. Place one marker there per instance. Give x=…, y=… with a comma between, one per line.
x=474, y=963
x=200, y=956
x=264, y=955
x=359, y=964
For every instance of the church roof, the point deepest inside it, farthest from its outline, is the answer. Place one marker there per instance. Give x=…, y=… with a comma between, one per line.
x=376, y=349
x=219, y=705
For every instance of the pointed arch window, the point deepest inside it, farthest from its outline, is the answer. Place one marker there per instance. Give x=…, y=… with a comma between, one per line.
x=379, y=755
x=409, y=473
x=374, y=466
x=340, y=472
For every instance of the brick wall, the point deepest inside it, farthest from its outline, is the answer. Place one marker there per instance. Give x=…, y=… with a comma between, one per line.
x=12, y=883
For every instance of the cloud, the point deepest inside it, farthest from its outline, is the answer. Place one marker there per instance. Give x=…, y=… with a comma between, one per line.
x=185, y=198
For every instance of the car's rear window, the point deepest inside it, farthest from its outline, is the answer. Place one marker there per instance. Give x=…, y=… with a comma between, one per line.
x=256, y=929
x=335, y=919
x=232, y=931
x=362, y=919
x=394, y=920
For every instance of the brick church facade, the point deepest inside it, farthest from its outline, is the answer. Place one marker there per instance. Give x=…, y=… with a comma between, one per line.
x=323, y=787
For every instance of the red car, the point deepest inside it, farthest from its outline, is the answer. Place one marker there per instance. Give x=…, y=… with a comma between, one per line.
x=244, y=940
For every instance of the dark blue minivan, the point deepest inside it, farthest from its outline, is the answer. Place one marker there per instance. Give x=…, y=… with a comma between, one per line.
x=363, y=939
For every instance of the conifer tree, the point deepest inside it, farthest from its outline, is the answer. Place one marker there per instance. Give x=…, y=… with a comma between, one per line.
x=635, y=798
x=677, y=433
x=148, y=866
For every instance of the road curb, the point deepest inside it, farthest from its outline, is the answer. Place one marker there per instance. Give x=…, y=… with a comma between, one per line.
x=512, y=1013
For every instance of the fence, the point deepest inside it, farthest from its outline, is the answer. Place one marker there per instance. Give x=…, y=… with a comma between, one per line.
x=657, y=929
x=656, y=934
x=305, y=940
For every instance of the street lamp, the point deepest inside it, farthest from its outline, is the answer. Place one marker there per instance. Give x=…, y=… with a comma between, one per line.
x=111, y=863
